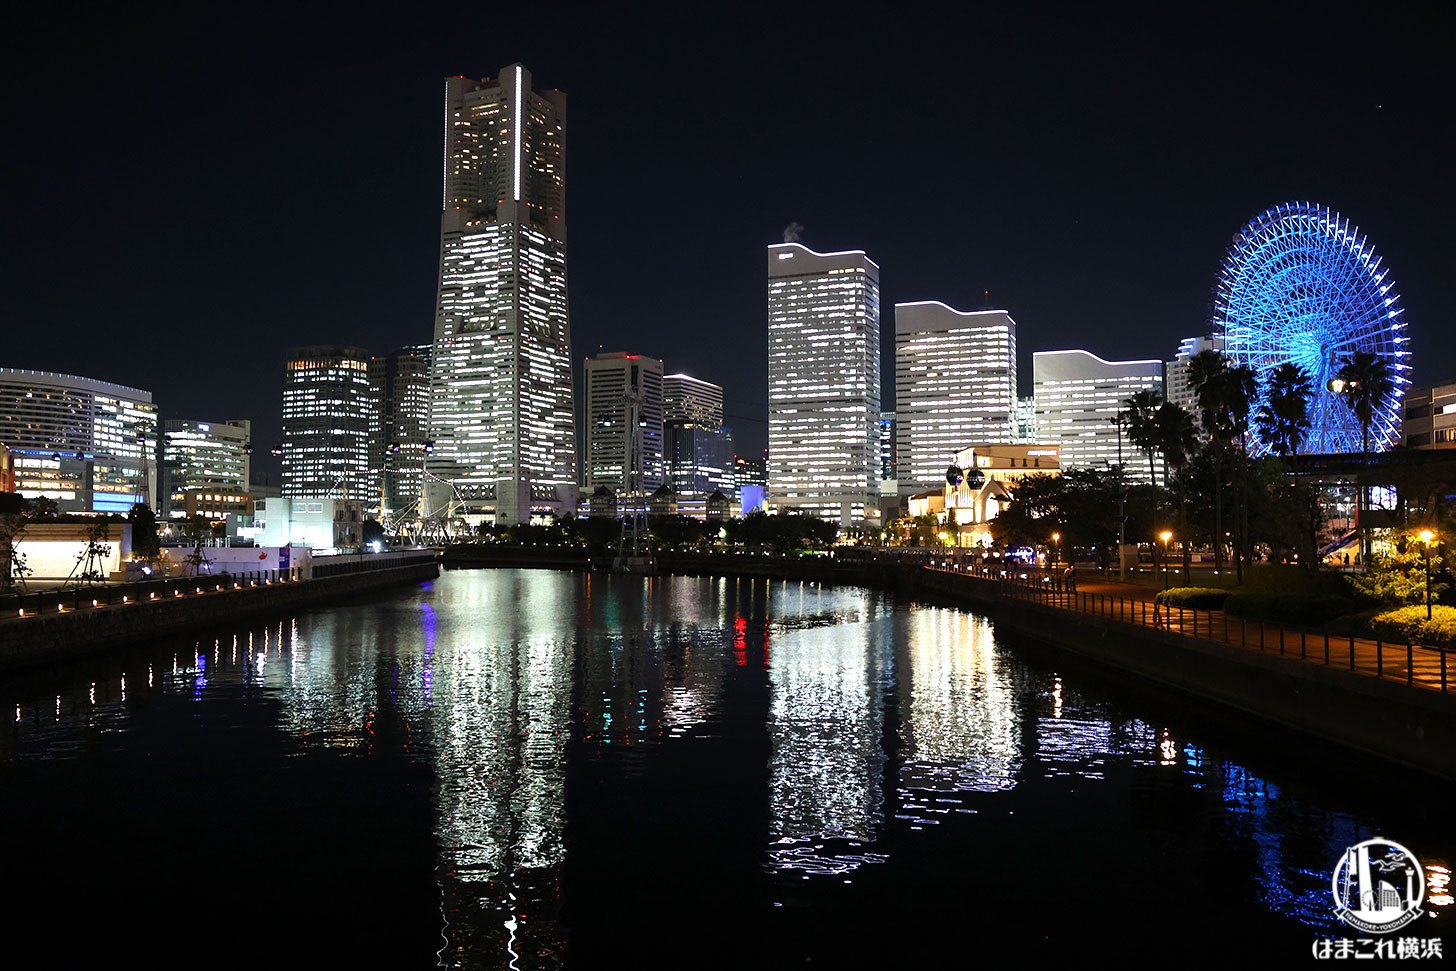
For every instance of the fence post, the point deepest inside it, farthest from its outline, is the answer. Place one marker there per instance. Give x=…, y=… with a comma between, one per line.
x=1410, y=664
x=1180, y=619
x=1301, y=645
x=1327, y=647
x=1352, y=652
x=1379, y=658
x=1443, y=669
x=1281, y=640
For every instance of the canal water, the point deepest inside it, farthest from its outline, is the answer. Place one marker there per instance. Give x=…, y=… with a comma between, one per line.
x=528, y=768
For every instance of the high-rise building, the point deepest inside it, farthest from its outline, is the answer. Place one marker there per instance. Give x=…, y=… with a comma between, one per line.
x=1428, y=418
x=692, y=399
x=502, y=415
x=90, y=445
x=955, y=385
x=698, y=446
x=328, y=410
x=824, y=384
x=888, y=465
x=624, y=423
x=206, y=467
x=1025, y=418
x=400, y=382
x=1078, y=398
x=1178, y=389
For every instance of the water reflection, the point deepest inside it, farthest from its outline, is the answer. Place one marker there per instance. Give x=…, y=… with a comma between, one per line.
x=584, y=736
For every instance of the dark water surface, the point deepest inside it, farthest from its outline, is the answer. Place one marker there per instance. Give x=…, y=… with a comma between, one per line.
x=513, y=768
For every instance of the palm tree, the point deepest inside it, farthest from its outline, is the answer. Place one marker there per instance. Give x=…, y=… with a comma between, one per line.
x=1364, y=381
x=1206, y=378
x=1177, y=438
x=1140, y=417
x=1241, y=388
x=1283, y=420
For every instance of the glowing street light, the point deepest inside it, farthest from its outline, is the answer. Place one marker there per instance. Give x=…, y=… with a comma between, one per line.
x=1057, y=540
x=1166, y=536
x=1427, y=537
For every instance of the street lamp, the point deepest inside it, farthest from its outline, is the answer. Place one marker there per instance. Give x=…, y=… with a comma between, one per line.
x=1427, y=537
x=1166, y=536
x=1057, y=540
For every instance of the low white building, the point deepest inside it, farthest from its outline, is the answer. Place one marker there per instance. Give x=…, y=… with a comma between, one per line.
x=323, y=524
x=981, y=479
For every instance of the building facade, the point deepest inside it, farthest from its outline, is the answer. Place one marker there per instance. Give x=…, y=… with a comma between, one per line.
x=1078, y=399
x=624, y=433
x=824, y=384
x=698, y=446
x=503, y=418
x=1177, y=388
x=1429, y=418
x=981, y=480
x=328, y=411
x=955, y=382
x=206, y=466
x=90, y=445
x=400, y=383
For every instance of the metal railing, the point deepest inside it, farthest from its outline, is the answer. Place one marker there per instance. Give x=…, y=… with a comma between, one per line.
x=100, y=596
x=1415, y=665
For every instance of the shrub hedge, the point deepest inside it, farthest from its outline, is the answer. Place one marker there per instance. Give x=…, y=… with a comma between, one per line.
x=1303, y=609
x=1201, y=598
x=1408, y=625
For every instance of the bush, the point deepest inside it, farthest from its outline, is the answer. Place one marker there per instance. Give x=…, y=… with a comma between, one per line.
x=1200, y=598
x=1408, y=625
x=1273, y=579
x=1305, y=610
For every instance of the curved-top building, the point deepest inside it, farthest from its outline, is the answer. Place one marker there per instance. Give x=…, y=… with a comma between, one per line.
x=90, y=445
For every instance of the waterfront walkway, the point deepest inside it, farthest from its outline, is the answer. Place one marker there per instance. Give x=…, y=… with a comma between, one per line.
x=1418, y=666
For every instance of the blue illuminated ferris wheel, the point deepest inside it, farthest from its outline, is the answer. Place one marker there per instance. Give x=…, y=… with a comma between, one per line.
x=1301, y=284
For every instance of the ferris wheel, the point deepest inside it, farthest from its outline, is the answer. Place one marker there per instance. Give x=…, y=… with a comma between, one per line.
x=1301, y=284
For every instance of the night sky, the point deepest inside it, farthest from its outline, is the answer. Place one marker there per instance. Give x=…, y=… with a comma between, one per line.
x=190, y=192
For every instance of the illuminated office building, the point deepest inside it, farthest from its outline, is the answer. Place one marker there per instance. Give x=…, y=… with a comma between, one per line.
x=624, y=423
x=400, y=383
x=328, y=409
x=824, y=384
x=205, y=468
x=1078, y=398
x=698, y=446
x=90, y=445
x=1179, y=390
x=502, y=416
x=955, y=385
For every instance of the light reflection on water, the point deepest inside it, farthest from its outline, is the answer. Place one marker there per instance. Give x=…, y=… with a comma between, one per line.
x=895, y=735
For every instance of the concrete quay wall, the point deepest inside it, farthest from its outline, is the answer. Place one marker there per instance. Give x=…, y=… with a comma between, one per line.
x=1411, y=726
x=53, y=637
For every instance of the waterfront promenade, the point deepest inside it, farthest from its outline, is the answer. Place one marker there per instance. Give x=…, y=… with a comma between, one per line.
x=1415, y=665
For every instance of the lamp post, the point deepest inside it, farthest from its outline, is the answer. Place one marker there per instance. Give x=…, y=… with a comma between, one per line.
x=1057, y=547
x=1166, y=536
x=1427, y=536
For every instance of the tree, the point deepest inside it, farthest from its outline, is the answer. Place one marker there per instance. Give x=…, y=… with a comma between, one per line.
x=145, y=544
x=1283, y=420
x=42, y=509
x=1363, y=382
x=1141, y=418
x=1206, y=378
x=1177, y=438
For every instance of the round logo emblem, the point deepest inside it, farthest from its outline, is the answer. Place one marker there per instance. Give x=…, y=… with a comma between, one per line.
x=1379, y=886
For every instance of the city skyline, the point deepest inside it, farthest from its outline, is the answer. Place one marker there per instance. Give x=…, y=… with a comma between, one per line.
x=1101, y=208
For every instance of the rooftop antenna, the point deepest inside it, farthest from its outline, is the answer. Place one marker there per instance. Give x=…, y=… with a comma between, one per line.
x=986, y=300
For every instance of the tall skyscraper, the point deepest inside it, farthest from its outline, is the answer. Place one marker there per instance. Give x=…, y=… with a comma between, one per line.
x=328, y=410
x=1078, y=398
x=824, y=384
x=698, y=446
x=401, y=386
x=955, y=386
x=624, y=423
x=90, y=445
x=502, y=414
x=1179, y=391
x=692, y=399
x=205, y=468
